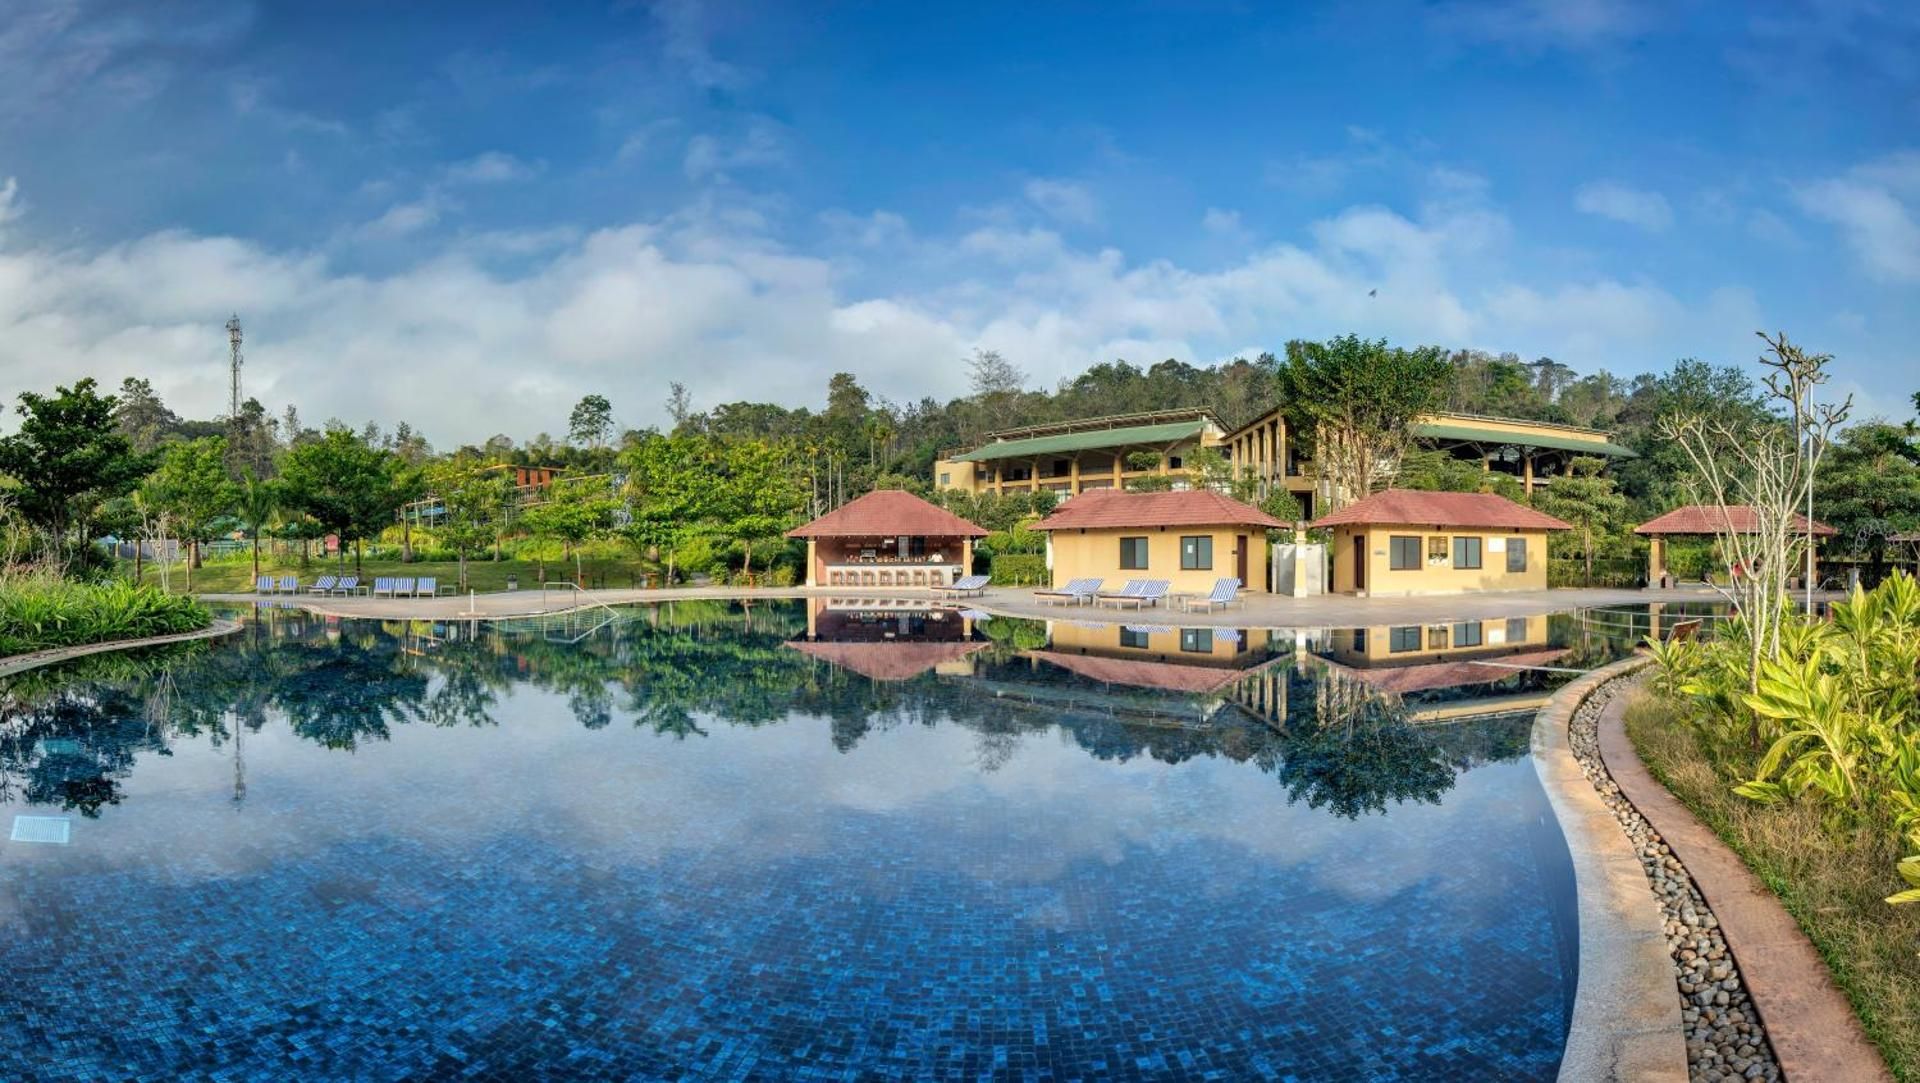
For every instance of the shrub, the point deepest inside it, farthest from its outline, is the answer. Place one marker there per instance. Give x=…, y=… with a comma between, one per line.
x=1019, y=570
x=39, y=610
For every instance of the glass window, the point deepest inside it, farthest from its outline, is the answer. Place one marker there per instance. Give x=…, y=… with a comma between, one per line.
x=1516, y=554
x=1196, y=640
x=1403, y=553
x=1516, y=629
x=1404, y=639
x=946, y=479
x=1196, y=553
x=1467, y=634
x=1133, y=554
x=1437, y=549
x=1466, y=552
x=1134, y=639
x=1173, y=462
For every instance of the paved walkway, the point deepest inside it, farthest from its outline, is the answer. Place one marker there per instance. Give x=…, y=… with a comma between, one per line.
x=1259, y=611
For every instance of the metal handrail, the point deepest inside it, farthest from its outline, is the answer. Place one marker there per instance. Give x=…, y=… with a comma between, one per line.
x=578, y=590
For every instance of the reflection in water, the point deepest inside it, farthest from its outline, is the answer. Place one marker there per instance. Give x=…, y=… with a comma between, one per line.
x=853, y=837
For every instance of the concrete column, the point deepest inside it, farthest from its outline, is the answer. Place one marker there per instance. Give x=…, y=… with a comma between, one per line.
x=1119, y=464
x=1526, y=465
x=966, y=556
x=1033, y=477
x=1073, y=475
x=813, y=564
x=1656, y=559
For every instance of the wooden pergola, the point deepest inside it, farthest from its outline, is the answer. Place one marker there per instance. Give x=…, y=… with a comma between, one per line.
x=1709, y=521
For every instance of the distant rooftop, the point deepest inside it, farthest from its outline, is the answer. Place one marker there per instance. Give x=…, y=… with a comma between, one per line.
x=1706, y=519
x=1080, y=434
x=1414, y=507
x=1102, y=508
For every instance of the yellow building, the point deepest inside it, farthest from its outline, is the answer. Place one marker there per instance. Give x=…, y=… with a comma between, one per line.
x=1531, y=451
x=1072, y=457
x=1189, y=538
x=1401, y=542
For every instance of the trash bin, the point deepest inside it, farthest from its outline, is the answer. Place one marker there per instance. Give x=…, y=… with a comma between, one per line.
x=513, y=582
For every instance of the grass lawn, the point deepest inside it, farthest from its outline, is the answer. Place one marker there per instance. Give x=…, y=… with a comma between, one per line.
x=229, y=576
x=1833, y=883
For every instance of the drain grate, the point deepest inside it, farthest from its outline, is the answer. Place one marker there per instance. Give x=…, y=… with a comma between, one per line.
x=56, y=830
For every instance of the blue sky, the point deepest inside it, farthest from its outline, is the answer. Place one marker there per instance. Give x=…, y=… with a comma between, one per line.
x=468, y=215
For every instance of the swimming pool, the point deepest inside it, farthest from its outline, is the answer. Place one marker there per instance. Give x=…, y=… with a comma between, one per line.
x=825, y=839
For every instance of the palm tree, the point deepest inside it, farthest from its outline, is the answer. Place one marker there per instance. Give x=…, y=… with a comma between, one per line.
x=258, y=501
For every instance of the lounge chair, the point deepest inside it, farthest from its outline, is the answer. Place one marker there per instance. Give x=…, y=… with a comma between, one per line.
x=968, y=586
x=289, y=584
x=426, y=586
x=403, y=585
x=1225, y=592
x=1076, y=591
x=263, y=585
x=1152, y=593
x=383, y=585
x=348, y=584
x=1131, y=589
x=323, y=585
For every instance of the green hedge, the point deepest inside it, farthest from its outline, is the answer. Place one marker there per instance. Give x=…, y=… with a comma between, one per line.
x=41, y=611
x=1019, y=570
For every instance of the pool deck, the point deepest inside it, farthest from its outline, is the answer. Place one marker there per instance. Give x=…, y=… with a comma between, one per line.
x=1258, y=611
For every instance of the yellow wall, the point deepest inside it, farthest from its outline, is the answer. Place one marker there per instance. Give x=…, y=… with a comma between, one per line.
x=1085, y=554
x=1164, y=646
x=1382, y=581
x=952, y=475
x=1497, y=636
x=1517, y=427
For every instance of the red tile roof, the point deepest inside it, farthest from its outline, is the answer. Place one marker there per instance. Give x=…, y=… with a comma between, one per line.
x=885, y=512
x=1141, y=673
x=1412, y=507
x=1430, y=675
x=1098, y=508
x=887, y=661
x=1707, y=519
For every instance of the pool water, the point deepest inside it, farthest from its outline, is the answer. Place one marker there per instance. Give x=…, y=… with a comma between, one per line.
x=814, y=840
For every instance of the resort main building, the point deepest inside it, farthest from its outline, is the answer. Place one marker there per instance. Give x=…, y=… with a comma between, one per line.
x=1071, y=457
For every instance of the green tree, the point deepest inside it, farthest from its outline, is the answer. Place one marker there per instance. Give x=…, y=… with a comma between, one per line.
x=345, y=484
x=1437, y=471
x=669, y=495
x=1355, y=402
x=572, y=511
x=759, y=495
x=472, y=500
x=257, y=500
x=1152, y=483
x=591, y=423
x=68, y=457
x=1870, y=487
x=1590, y=501
x=191, y=483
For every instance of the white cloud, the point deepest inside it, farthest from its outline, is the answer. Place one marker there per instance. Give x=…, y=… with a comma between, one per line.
x=1064, y=201
x=1540, y=24
x=10, y=205
x=1607, y=199
x=1874, y=207
x=1224, y=223
x=707, y=296
x=713, y=157
x=491, y=167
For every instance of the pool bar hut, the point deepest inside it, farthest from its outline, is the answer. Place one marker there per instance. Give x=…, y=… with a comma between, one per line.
x=888, y=538
x=1705, y=521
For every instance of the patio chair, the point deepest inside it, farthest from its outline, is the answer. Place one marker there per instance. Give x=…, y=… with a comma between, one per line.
x=289, y=584
x=403, y=585
x=1076, y=591
x=348, y=584
x=970, y=586
x=1131, y=589
x=426, y=586
x=1153, y=592
x=263, y=585
x=1225, y=592
x=323, y=585
x=383, y=585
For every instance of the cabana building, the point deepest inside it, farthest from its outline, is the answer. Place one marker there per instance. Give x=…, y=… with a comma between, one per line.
x=1403, y=542
x=1190, y=538
x=888, y=538
x=1706, y=521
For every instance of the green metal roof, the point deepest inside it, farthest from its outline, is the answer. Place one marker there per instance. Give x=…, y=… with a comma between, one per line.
x=1032, y=446
x=1488, y=435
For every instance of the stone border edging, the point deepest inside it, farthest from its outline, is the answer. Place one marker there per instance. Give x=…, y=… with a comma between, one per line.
x=20, y=663
x=1626, y=1010
x=1808, y=1020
